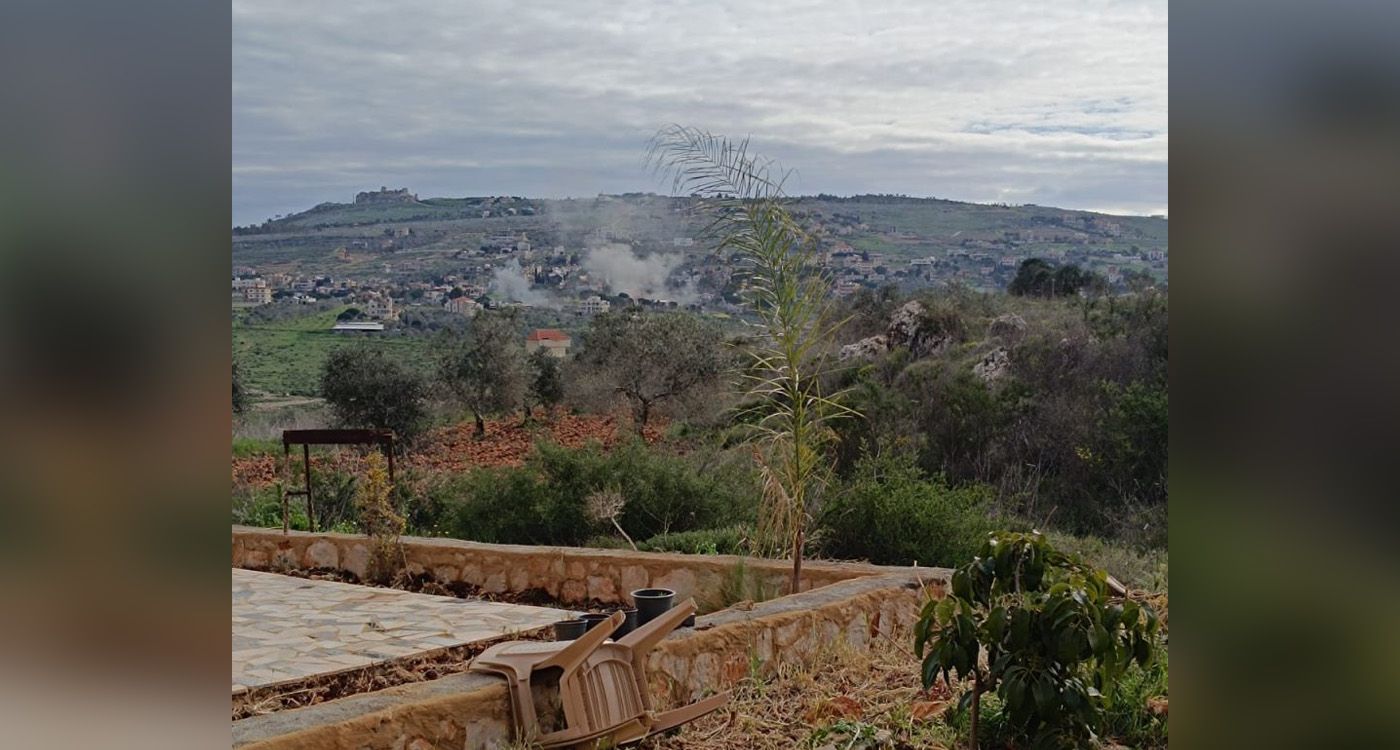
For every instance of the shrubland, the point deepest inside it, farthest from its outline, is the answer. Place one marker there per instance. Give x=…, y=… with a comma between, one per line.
x=1068, y=434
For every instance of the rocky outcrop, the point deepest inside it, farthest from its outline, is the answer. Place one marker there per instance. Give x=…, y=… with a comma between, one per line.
x=912, y=327
x=994, y=366
x=867, y=348
x=1009, y=327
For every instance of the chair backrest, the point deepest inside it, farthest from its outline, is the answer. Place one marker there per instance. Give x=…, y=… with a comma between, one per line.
x=608, y=688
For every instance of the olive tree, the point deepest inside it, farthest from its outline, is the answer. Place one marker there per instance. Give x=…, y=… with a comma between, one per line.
x=652, y=358
x=485, y=367
x=367, y=388
x=546, y=382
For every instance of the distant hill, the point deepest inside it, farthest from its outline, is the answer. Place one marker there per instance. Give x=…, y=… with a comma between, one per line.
x=426, y=232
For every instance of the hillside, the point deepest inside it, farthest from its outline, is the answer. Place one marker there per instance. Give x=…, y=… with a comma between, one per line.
x=899, y=227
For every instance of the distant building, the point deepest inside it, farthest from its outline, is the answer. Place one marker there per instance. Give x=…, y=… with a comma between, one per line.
x=380, y=306
x=552, y=340
x=594, y=305
x=462, y=305
x=358, y=325
x=258, y=295
x=385, y=195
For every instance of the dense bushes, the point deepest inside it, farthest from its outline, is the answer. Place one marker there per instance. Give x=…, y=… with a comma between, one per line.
x=891, y=514
x=544, y=502
x=1071, y=429
x=729, y=540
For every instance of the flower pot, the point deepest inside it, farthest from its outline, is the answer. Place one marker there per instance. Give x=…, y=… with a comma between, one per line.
x=592, y=620
x=652, y=603
x=567, y=630
x=629, y=623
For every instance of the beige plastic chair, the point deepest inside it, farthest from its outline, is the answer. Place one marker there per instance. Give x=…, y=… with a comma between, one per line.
x=602, y=686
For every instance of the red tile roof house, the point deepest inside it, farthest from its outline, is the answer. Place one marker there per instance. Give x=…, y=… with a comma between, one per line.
x=552, y=340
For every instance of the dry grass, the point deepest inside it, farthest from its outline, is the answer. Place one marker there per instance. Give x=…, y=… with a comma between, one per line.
x=848, y=698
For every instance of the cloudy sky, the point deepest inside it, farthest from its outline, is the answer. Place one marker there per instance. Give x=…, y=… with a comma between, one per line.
x=1059, y=104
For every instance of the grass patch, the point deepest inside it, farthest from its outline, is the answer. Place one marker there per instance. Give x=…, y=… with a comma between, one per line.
x=1138, y=569
x=285, y=357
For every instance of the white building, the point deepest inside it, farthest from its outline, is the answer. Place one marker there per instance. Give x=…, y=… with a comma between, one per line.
x=462, y=305
x=258, y=295
x=594, y=305
x=380, y=306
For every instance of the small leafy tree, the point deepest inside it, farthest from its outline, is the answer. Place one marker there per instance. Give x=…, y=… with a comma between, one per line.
x=1040, y=628
x=380, y=520
x=652, y=358
x=368, y=388
x=486, y=368
x=546, y=383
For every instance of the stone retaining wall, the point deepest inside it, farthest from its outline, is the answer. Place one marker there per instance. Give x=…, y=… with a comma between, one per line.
x=472, y=711
x=570, y=575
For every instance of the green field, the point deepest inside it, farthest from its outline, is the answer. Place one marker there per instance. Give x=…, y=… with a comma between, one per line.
x=285, y=357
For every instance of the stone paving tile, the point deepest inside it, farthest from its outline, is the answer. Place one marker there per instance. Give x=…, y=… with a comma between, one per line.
x=287, y=628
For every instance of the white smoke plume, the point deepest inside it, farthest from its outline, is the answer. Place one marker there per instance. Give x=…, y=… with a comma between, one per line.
x=511, y=285
x=621, y=269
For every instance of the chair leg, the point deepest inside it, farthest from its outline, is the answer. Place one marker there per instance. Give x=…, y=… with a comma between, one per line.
x=676, y=717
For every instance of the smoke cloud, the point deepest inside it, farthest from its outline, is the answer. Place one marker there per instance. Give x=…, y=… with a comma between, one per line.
x=621, y=269
x=510, y=284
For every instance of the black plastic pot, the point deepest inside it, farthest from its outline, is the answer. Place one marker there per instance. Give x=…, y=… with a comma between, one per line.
x=652, y=603
x=592, y=620
x=629, y=623
x=567, y=630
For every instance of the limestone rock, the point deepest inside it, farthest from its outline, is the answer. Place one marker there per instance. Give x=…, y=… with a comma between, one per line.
x=1009, y=327
x=634, y=577
x=323, y=554
x=912, y=328
x=357, y=560
x=602, y=588
x=993, y=366
x=866, y=348
x=680, y=580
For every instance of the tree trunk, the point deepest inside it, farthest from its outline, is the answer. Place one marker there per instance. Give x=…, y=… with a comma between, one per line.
x=480, y=425
x=642, y=414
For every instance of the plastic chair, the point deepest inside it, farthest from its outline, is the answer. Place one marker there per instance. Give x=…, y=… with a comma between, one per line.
x=603, y=686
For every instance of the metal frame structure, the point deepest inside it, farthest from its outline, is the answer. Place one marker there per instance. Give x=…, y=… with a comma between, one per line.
x=308, y=438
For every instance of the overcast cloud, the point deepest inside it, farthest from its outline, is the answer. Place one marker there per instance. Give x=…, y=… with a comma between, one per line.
x=1061, y=104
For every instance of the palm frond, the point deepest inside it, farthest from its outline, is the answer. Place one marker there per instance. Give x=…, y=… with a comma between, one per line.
x=786, y=411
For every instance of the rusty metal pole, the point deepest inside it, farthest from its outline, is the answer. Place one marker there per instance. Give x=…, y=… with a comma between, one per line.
x=281, y=490
x=310, y=509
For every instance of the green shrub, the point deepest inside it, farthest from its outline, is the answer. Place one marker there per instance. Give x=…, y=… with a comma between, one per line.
x=1144, y=569
x=730, y=540
x=545, y=501
x=260, y=507
x=1042, y=630
x=890, y=513
x=333, y=496
x=243, y=447
x=426, y=504
x=515, y=506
